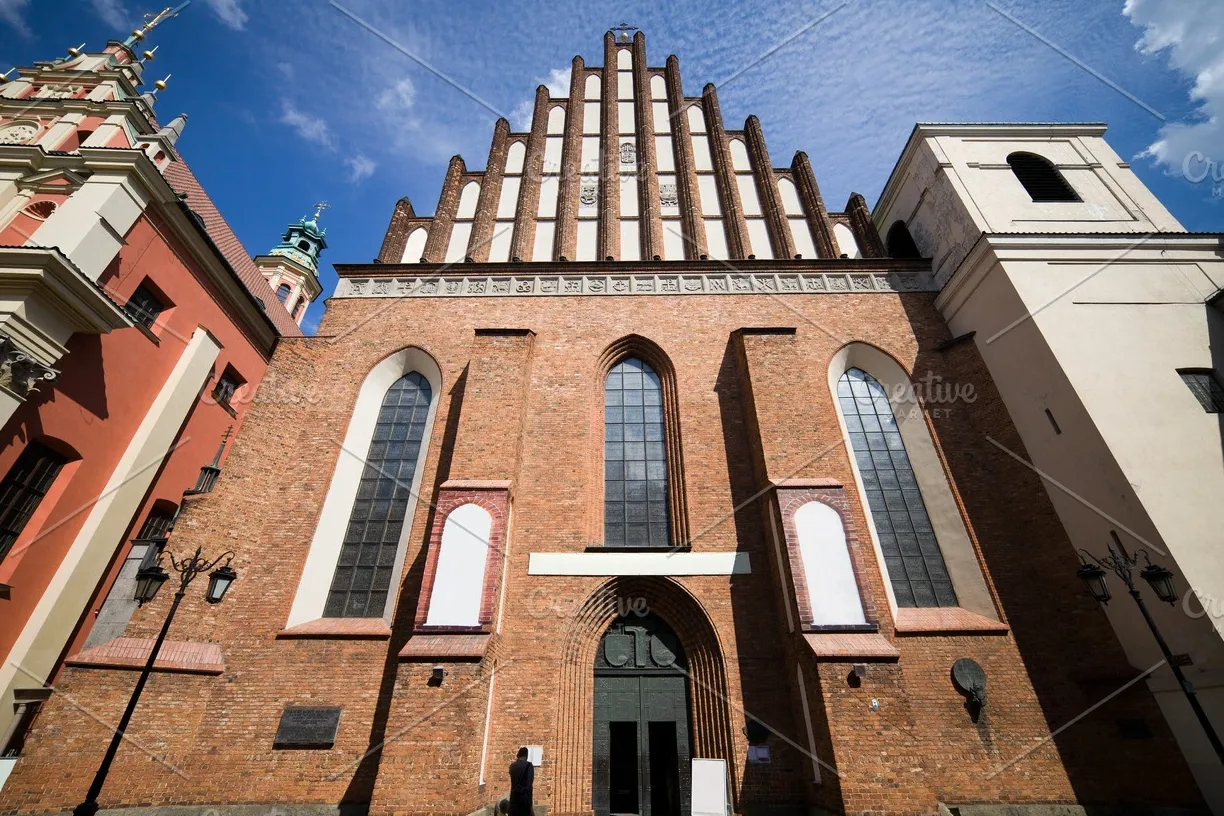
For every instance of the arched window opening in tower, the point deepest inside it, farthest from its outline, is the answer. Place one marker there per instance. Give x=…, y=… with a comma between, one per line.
x=911, y=553
x=900, y=243
x=282, y=292
x=635, y=459
x=367, y=557
x=1040, y=178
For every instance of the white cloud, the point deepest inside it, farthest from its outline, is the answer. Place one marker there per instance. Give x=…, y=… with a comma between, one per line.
x=1190, y=34
x=360, y=167
x=557, y=82
x=399, y=97
x=113, y=14
x=229, y=12
x=13, y=13
x=310, y=128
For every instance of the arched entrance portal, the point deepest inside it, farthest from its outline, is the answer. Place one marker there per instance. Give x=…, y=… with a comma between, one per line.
x=642, y=743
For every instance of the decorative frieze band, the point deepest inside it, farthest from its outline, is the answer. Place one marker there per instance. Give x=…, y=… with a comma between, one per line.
x=645, y=284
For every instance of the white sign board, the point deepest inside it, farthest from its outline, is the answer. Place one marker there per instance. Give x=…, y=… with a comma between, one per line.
x=535, y=754
x=710, y=787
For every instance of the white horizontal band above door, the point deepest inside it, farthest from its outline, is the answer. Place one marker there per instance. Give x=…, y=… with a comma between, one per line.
x=635, y=563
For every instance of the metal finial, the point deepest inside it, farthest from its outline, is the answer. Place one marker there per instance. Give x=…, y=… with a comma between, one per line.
x=152, y=21
x=623, y=32
x=148, y=55
x=319, y=208
x=76, y=52
x=161, y=83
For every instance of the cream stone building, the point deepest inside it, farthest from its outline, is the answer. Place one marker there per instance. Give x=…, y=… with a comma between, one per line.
x=1098, y=317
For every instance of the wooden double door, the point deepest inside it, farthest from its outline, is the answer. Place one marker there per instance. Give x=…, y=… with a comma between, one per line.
x=641, y=721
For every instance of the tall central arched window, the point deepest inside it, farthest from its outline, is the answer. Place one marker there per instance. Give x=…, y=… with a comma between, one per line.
x=911, y=553
x=367, y=558
x=635, y=459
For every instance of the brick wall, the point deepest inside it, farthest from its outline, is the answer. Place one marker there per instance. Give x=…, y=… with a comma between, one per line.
x=918, y=747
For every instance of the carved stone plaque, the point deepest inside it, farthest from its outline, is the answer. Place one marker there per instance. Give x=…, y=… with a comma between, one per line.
x=307, y=727
x=628, y=153
x=588, y=195
x=668, y=197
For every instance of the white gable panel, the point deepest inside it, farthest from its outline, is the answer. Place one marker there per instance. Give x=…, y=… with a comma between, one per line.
x=415, y=245
x=748, y=193
x=592, y=87
x=716, y=239
x=552, y=154
x=802, y=237
x=790, y=197
x=588, y=240
x=624, y=85
x=758, y=235
x=545, y=232
x=507, y=202
x=696, y=120
x=673, y=239
x=630, y=249
x=499, y=246
x=556, y=120
x=658, y=87
x=468, y=199
x=549, y=188
x=629, y=196
x=456, y=250
x=589, y=160
x=709, y=195
x=662, y=117
x=664, y=157
x=515, y=156
x=845, y=241
x=590, y=117
x=626, y=121
x=701, y=154
x=739, y=156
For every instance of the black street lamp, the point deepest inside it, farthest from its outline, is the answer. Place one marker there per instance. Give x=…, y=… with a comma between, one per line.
x=1160, y=579
x=148, y=581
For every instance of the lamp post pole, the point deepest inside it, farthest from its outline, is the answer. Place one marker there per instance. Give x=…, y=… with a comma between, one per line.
x=1122, y=563
x=149, y=580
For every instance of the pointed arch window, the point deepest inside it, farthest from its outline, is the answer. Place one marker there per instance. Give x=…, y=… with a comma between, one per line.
x=635, y=458
x=911, y=552
x=1040, y=178
x=371, y=542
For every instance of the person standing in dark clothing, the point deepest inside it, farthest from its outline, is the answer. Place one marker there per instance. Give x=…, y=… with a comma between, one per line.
x=522, y=778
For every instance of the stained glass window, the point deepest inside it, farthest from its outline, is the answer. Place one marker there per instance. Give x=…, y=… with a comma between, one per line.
x=635, y=461
x=915, y=565
x=367, y=557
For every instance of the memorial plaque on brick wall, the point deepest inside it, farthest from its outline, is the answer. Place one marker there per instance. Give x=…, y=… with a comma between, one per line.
x=303, y=727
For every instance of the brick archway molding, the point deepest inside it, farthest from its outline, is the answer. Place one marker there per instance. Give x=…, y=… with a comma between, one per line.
x=708, y=698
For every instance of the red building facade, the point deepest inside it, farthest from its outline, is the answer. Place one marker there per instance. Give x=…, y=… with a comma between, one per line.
x=135, y=328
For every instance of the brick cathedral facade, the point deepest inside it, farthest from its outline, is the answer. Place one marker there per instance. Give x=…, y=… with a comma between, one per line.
x=625, y=454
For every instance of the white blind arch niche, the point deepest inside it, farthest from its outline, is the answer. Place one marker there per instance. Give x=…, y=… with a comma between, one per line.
x=833, y=595
x=959, y=555
x=459, y=580
x=320, y=568
x=414, y=247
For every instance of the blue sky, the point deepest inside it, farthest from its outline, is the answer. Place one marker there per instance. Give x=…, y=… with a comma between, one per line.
x=291, y=101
